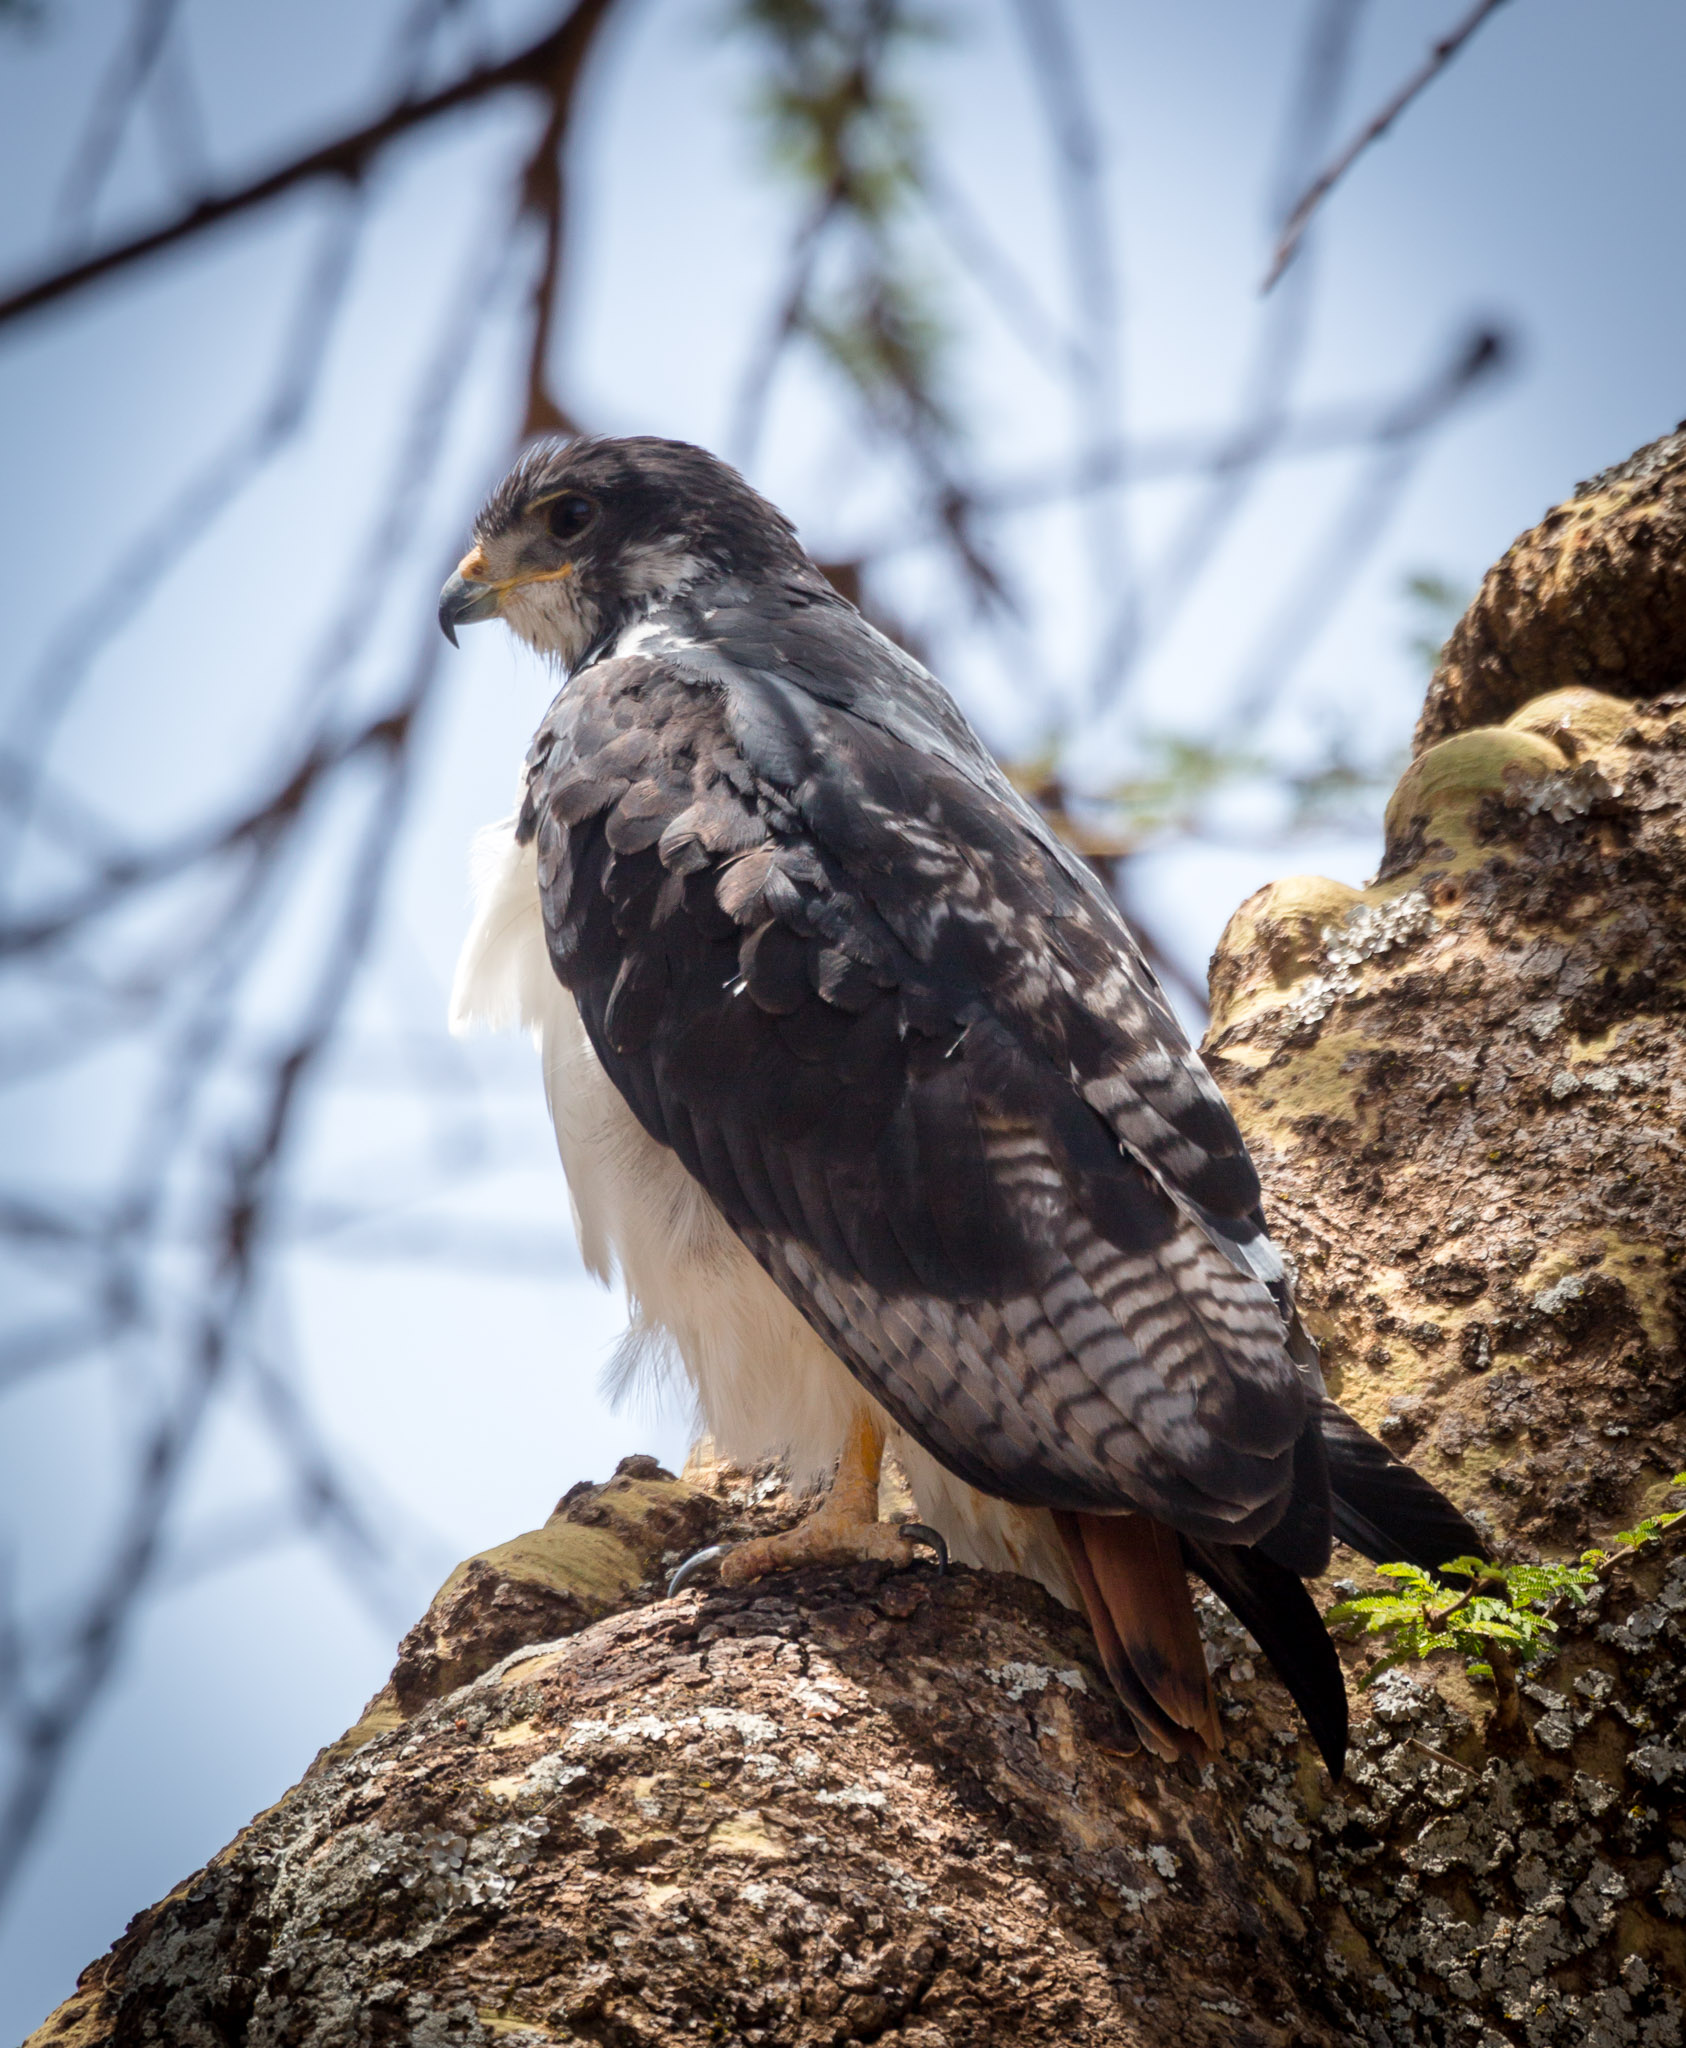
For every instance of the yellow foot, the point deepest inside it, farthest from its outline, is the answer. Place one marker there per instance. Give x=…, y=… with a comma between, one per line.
x=821, y=1539
x=827, y=1538
x=844, y=1529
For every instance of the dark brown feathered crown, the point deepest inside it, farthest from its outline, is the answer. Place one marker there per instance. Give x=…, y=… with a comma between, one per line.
x=651, y=489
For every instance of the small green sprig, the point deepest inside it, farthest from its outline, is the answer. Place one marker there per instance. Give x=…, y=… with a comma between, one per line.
x=1474, y=1607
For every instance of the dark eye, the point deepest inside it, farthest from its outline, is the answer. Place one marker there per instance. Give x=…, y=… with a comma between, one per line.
x=569, y=516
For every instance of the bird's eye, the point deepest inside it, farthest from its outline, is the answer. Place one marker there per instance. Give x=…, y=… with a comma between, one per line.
x=569, y=516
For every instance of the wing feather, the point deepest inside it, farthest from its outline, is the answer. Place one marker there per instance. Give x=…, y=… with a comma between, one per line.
x=918, y=1063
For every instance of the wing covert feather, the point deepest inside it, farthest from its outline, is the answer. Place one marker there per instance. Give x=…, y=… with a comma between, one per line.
x=924, y=1073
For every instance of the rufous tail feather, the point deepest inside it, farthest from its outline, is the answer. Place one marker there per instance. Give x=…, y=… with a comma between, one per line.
x=1129, y=1569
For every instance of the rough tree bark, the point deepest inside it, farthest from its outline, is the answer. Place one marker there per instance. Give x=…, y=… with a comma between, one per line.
x=852, y=1807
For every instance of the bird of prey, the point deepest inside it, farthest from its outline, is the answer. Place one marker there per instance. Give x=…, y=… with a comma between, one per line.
x=861, y=1081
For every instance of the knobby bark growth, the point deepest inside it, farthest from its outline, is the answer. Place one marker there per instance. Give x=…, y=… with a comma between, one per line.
x=858, y=1807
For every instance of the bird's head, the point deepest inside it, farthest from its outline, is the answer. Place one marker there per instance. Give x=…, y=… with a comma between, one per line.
x=584, y=536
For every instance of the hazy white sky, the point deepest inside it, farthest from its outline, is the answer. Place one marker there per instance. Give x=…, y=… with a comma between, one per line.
x=1541, y=184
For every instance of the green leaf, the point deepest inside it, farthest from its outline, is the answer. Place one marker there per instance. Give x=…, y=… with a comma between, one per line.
x=1467, y=1568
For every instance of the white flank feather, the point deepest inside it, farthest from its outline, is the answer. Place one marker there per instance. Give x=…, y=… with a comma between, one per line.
x=766, y=1386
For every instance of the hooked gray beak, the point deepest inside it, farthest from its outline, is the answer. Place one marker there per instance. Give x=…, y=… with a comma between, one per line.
x=465, y=602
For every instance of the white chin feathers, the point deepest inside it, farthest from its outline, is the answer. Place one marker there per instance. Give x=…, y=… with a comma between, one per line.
x=554, y=616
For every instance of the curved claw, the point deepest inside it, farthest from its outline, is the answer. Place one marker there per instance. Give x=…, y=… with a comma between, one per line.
x=695, y=1564
x=922, y=1532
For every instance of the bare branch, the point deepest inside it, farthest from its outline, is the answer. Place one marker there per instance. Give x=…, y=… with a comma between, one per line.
x=136, y=59
x=992, y=268
x=1439, y=56
x=254, y=827
x=1328, y=430
x=71, y=653
x=550, y=64
x=1326, y=54
x=543, y=200
x=1277, y=355
x=1357, y=525
x=1096, y=390
x=249, y=1193
x=755, y=388
x=37, y=1347
x=178, y=118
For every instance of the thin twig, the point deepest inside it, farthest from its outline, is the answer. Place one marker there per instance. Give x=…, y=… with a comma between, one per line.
x=50, y=692
x=119, y=92
x=543, y=200
x=1356, y=527
x=178, y=119
x=134, y=1248
x=250, y=1191
x=996, y=274
x=1439, y=1755
x=1327, y=430
x=252, y=829
x=1096, y=381
x=1273, y=367
x=756, y=385
x=1439, y=56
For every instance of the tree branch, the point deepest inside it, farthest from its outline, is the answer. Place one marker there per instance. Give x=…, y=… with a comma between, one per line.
x=543, y=199
x=551, y=64
x=1439, y=56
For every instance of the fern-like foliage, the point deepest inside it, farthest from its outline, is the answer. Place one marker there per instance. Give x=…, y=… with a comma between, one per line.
x=1470, y=1605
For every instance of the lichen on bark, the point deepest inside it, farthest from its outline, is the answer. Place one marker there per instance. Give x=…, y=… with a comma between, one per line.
x=1466, y=1092
x=894, y=1808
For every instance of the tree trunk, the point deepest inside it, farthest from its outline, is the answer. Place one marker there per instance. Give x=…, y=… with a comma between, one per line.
x=859, y=1807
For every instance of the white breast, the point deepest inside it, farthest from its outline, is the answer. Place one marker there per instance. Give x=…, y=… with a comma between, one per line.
x=698, y=1303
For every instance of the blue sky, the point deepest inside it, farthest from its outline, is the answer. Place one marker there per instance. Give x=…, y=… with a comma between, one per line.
x=1539, y=184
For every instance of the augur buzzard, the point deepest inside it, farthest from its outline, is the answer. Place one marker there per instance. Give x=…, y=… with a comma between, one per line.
x=862, y=1082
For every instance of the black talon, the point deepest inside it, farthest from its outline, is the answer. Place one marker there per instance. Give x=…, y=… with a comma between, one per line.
x=698, y=1561
x=922, y=1532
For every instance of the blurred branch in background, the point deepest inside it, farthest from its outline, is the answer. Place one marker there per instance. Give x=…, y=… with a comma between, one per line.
x=1267, y=386
x=1095, y=364
x=1439, y=56
x=139, y=75
x=549, y=66
x=167, y=1270
x=168, y=1273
